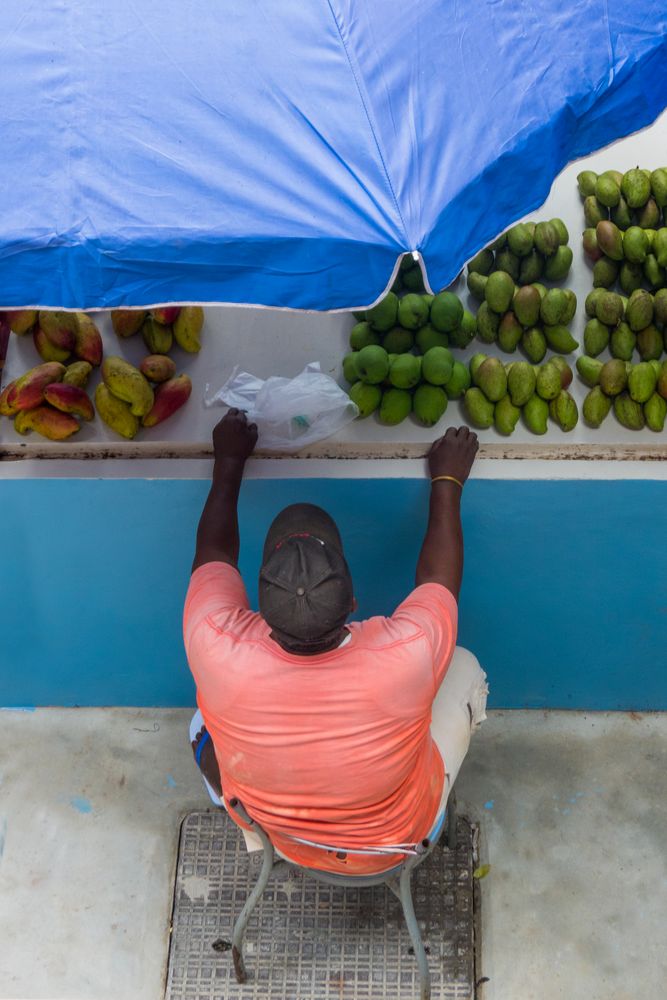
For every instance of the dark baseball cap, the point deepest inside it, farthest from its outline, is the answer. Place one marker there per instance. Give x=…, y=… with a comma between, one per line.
x=305, y=587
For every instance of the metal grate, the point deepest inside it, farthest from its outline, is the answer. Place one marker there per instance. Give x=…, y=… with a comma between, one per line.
x=310, y=941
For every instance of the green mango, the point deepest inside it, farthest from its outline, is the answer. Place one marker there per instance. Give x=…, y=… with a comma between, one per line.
x=623, y=342
x=546, y=238
x=561, y=229
x=520, y=239
x=639, y=310
x=649, y=343
x=510, y=332
x=482, y=262
x=594, y=211
x=491, y=378
x=474, y=365
x=557, y=267
x=560, y=339
x=629, y=413
x=554, y=306
x=596, y=406
x=458, y=381
x=590, y=244
x=613, y=377
x=395, y=406
x=636, y=187
x=605, y=272
x=350, y=367
x=642, y=381
x=508, y=262
x=609, y=308
x=630, y=277
x=506, y=415
x=531, y=268
x=607, y=191
x=596, y=337
x=648, y=217
x=526, y=305
x=362, y=334
x=635, y=245
x=654, y=274
x=488, y=322
x=367, y=397
x=499, y=291
x=589, y=369
x=399, y=341
x=586, y=181
x=521, y=382
x=548, y=383
x=476, y=284
x=659, y=186
x=534, y=344
x=655, y=411
x=571, y=309
x=610, y=239
x=563, y=411
x=479, y=409
x=446, y=312
x=660, y=307
x=591, y=301
x=621, y=215
x=383, y=315
x=429, y=403
x=535, y=414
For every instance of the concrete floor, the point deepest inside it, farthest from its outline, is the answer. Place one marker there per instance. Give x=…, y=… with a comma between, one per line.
x=573, y=810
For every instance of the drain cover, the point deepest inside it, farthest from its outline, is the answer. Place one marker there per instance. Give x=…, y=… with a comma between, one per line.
x=311, y=941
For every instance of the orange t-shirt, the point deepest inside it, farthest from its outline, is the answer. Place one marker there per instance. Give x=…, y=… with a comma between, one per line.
x=334, y=748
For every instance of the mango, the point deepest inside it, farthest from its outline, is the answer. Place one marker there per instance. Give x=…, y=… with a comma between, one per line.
x=535, y=413
x=362, y=334
x=596, y=406
x=187, y=327
x=546, y=238
x=446, y=312
x=46, y=350
x=458, y=382
x=635, y=245
x=591, y=302
x=648, y=217
x=127, y=322
x=520, y=239
x=506, y=415
x=560, y=339
x=498, y=292
x=636, y=187
x=621, y=215
x=466, y=332
x=436, y=366
x=526, y=305
x=571, y=308
x=508, y=262
x=605, y=272
x=59, y=328
x=589, y=369
x=629, y=413
x=29, y=389
x=613, y=377
x=399, y=341
x=479, y=409
x=7, y=408
x=655, y=411
x=548, y=384
x=557, y=266
x=553, y=306
x=78, y=374
x=563, y=411
x=49, y=423
x=87, y=340
x=510, y=332
x=610, y=239
x=128, y=384
x=166, y=315
x=157, y=338
x=169, y=397
x=488, y=323
x=482, y=262
x=159, y=368
x=405, y=371
x=630, y=277
x=476, y=284
x=561, y=229
x=395, y=406
x=654, y=274
x=21, y=321
x=639, y=310
x=531, y=268
x=566, y=374
x=586, y=181
x=659, y=186
x=641, y=382
x=534, y=344
x=474, y=365
x=367, y=397
x=413, y=311
x=607, y=191
x=660, y=307
x=609, y=308
x=491, y=378
x=594, y=211
x=429, y=403
x=596, y=337
x=69, y=399
x=623, y=342
x=381, y=317
x=521, y=382
x=649, y=343
x=115, y=413
x=590, y=244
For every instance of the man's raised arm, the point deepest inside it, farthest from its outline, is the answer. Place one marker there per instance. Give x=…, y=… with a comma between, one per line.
x=218, y=533
x=449, y=461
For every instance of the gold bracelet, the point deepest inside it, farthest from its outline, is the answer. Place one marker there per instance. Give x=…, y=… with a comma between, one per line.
x=452, y=479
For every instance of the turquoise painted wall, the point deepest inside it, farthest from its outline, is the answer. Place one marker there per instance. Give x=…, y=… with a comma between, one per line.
x=564, y=598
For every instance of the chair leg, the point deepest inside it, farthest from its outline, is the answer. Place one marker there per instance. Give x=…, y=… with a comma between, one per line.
x=452, y=821
x=415, y=935
x=244, y=916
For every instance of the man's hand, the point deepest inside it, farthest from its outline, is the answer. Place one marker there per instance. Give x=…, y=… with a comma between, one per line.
x=453, y=454
x=234, y=437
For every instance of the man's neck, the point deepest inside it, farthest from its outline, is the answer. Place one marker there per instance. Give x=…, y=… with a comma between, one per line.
x=332, y=642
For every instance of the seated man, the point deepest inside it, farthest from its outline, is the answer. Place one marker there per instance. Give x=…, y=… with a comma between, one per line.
x=342, y=739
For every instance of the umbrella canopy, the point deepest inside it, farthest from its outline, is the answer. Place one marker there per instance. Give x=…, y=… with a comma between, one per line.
x=285, y=154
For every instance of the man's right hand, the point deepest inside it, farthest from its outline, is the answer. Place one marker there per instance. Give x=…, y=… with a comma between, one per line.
x=453, y=454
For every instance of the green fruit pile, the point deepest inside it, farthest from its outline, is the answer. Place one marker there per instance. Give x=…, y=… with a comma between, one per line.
x=414, y=321
x=501, y=393
x=625, y=324
x=528, y=252
x=409, y=277
x=398, y=384
x=637, y=393
x=528, y=316
x=626, y=234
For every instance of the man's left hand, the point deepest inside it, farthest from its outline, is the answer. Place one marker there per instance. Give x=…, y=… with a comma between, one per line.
x=234, y=437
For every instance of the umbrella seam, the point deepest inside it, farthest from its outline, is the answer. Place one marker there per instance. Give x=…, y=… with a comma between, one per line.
x=370, y=125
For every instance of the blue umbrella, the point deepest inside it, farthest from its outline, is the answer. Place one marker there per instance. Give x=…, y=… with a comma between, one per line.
x=286, y=153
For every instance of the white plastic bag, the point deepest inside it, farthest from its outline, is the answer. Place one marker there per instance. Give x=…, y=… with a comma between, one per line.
x=289, y=412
